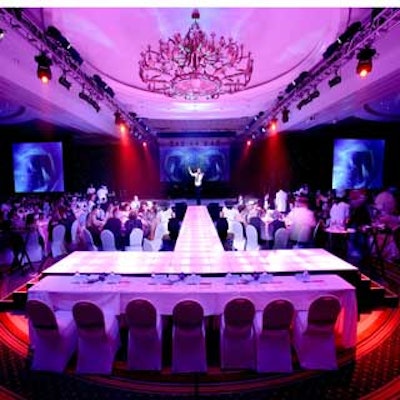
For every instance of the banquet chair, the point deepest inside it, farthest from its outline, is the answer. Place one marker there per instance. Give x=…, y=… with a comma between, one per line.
x=273, y=327
x=188, y=338
x=144, y=336
x=107, y=240
x=305, y=237
x=87, y=240
x=281, y=238
x=261, y=228
x=53, y=336
x=33, y=251
x=239, y=241
x=58, y=241
x=314, y=335
x=135, y=240
x=98, y=338
x=155, y=244
x=251, y=238
x=75, y=232
x=237, y=335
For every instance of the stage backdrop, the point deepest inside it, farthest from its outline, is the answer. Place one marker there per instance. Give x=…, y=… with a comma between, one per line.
x=358, y=163
x=213, y=160
x=38, y=167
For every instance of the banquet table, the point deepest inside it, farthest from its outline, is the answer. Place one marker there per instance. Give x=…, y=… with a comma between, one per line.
x=61, y=292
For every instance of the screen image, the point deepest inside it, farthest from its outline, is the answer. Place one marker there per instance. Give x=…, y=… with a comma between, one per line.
x=38, y=167
x=213, y=160
x=358, y=163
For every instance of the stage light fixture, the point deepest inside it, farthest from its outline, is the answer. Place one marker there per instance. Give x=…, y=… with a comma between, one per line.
x=285, y=115
x=62, y=80
x=43, y=70
x=120, y=122
x=335, y=81
x=248, y=142
x=2, y=33
x=273, y=124
x=364, y=65
x=89, y=100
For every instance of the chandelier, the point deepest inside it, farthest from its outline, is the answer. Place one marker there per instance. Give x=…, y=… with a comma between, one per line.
x=196, y=65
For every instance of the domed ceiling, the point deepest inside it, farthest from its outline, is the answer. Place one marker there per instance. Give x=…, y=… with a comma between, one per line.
x=283, y=43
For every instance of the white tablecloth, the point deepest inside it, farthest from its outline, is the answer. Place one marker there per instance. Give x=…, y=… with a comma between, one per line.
x=61, y=292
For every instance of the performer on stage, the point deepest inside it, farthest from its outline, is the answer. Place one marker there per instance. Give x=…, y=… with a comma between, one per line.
x=198, y=180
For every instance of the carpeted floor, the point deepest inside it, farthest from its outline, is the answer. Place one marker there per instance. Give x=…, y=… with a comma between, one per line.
x=373, y=372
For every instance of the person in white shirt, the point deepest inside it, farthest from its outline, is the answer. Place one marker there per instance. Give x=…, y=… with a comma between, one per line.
x=339, y=213
x=281, y=201
x=102, y=194
x=301, y=221
x=198, y=176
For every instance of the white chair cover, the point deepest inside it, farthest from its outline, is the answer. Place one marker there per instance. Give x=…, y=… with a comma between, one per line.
x=239, y=241
x=251, y=238
x=155, y=244
x=135, y=240
x=33, y=247
x=87, y=239
x=273, y=327
x=188, y=338
x=98, y=338
x=53, y=336
x=281, y=239
x=314, y=336
x=237, y=335
x=74, y=232
x=144, y=337
x=107, y=240
x=305, y=237
x=58, y=241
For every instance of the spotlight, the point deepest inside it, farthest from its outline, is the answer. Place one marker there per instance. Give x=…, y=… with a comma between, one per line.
x=2, y=33
x=248, y=142
x=120, y=122
x=273, y=125
x=144, y=144
x=335, y=81
x=43, y=70
x=103, y=85
x=364, y=66
x=301, y=104
x=285, y=115
x=89, y=100
x=62, y=80
x=314, y=94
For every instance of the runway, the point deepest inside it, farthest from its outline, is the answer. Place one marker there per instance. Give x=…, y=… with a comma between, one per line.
x=199, y=251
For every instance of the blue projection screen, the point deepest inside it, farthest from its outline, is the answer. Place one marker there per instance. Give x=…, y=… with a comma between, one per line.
x=213, y=160
x=38, y=167
x=358, y=163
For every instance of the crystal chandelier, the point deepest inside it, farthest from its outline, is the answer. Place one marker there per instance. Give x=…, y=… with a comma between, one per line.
x=195, y=65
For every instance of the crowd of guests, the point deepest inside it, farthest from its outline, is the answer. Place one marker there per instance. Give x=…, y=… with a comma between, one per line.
x=301, y=211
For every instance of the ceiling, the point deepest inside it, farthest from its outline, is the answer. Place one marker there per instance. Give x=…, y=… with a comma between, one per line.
x=283, y=43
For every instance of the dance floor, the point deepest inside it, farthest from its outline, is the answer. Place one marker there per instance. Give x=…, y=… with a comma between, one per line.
x=199, y=251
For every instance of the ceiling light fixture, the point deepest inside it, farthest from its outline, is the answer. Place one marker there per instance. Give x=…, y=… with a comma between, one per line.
x=62, y=80
x=364, y=57
x=89, y=100
x=335, y=81
x=285, y=115
x=196, y=65
x=120, y=122
x=273, y=124
x=43, y=69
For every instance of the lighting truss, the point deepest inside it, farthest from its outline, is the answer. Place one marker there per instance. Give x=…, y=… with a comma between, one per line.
x=17, y=20
x=370, y=30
